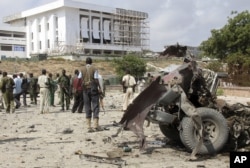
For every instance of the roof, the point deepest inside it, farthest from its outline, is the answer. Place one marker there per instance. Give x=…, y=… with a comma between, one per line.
x=58, y=4
x=12, y=28
x=55, y=5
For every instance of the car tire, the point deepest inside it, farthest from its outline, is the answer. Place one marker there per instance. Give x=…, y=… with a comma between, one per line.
x=215, y=128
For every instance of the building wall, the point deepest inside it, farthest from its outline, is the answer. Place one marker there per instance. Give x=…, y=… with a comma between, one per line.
x=12, y=43
x=85, y=29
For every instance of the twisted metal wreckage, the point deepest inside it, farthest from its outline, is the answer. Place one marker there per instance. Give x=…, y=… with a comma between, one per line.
x=185, y=106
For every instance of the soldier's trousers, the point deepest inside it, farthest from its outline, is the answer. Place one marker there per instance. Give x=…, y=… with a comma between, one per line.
x=44, y=100
x=52, y=97
x=91, y=103
x=65, y=97
x=78, y=102
x=9, y=102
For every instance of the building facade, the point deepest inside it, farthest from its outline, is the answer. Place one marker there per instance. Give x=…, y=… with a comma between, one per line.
x=67, y=27
x=12, y=42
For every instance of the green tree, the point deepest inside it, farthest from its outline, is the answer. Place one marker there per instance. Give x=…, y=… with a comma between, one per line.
x=216, y=66
x=233, y=38
x=135, y=64
x=239, y=69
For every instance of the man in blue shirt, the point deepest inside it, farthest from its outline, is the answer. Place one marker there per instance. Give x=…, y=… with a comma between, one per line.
x=17, y=91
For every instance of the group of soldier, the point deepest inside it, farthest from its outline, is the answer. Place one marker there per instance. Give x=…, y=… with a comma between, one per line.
x=12, y=88
x=85, y=88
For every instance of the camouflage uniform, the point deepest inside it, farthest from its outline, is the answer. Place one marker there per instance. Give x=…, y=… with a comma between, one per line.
x=64, y=83
x=33, y=89
x=1, y=94
x=6, y=87
x=52, y=89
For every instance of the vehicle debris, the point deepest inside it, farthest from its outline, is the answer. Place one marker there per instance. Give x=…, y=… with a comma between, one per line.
x=184, y=104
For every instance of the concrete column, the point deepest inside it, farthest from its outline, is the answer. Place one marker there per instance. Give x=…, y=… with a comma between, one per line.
x=44, y=35
x=35, y=35
x=101, y=29
x=90, y=28
x=28, y=38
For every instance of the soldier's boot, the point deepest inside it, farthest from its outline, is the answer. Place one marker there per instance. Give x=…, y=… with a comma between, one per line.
x=96, y=125
x=90, y=129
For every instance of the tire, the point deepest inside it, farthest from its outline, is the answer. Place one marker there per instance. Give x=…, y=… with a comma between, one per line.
x=171, y=132
x=215, y=129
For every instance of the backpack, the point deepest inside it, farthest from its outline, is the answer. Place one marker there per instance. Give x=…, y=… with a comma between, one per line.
x=9, y=84
x=6, y=84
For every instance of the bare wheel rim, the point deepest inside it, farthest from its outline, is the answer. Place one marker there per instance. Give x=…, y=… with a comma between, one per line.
x=210, y=131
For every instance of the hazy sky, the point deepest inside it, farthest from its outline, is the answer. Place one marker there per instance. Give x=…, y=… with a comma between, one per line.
x=187, y=22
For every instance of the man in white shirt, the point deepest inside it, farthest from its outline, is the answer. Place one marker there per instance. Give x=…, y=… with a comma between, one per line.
x=43, y=83
x=129, y=83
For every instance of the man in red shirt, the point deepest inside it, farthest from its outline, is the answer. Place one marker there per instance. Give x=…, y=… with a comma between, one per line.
x=78, y=93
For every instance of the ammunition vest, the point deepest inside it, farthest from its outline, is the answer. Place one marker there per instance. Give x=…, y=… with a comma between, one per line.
x=88, y=76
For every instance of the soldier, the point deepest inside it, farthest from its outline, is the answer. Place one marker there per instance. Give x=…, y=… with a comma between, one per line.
x=6, y=86
x=33, y=89
x=52, y=89
x=91, y=92
x=64, y=83
x=58, y=88
x=1, y=94
x=24, y=86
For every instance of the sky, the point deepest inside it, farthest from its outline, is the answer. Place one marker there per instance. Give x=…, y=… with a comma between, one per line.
x=188, y=22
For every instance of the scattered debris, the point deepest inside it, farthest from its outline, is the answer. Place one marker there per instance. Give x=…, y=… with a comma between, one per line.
x=61, y=142
x=107, y=140
x=88, y=139
x=127, y=149
x=32, y=126
x=115, y=153
x=115, y=161
x=67, y=131
x=79, y=152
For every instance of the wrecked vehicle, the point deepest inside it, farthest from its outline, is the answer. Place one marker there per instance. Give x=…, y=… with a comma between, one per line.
x=184, y=105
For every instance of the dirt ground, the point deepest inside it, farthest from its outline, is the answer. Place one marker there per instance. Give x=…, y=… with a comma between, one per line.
x=56, y=65
x=60, y=139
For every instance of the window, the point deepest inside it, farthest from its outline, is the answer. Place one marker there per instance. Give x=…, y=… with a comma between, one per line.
x=6, y=47
x=56, y=22
x=48, y=26
x=57, y=41
x=5, y=34
x=40, y=45
x=39, y=28
x=32, y=36
x=32, y=46
x=19, y=48
x=19, y=35
x=48, y=44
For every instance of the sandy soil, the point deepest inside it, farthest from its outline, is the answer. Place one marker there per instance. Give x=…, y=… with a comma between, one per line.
x=29, y=139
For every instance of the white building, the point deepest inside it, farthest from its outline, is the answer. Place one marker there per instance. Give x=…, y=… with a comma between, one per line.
x=67, y=27
x=12, y=42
